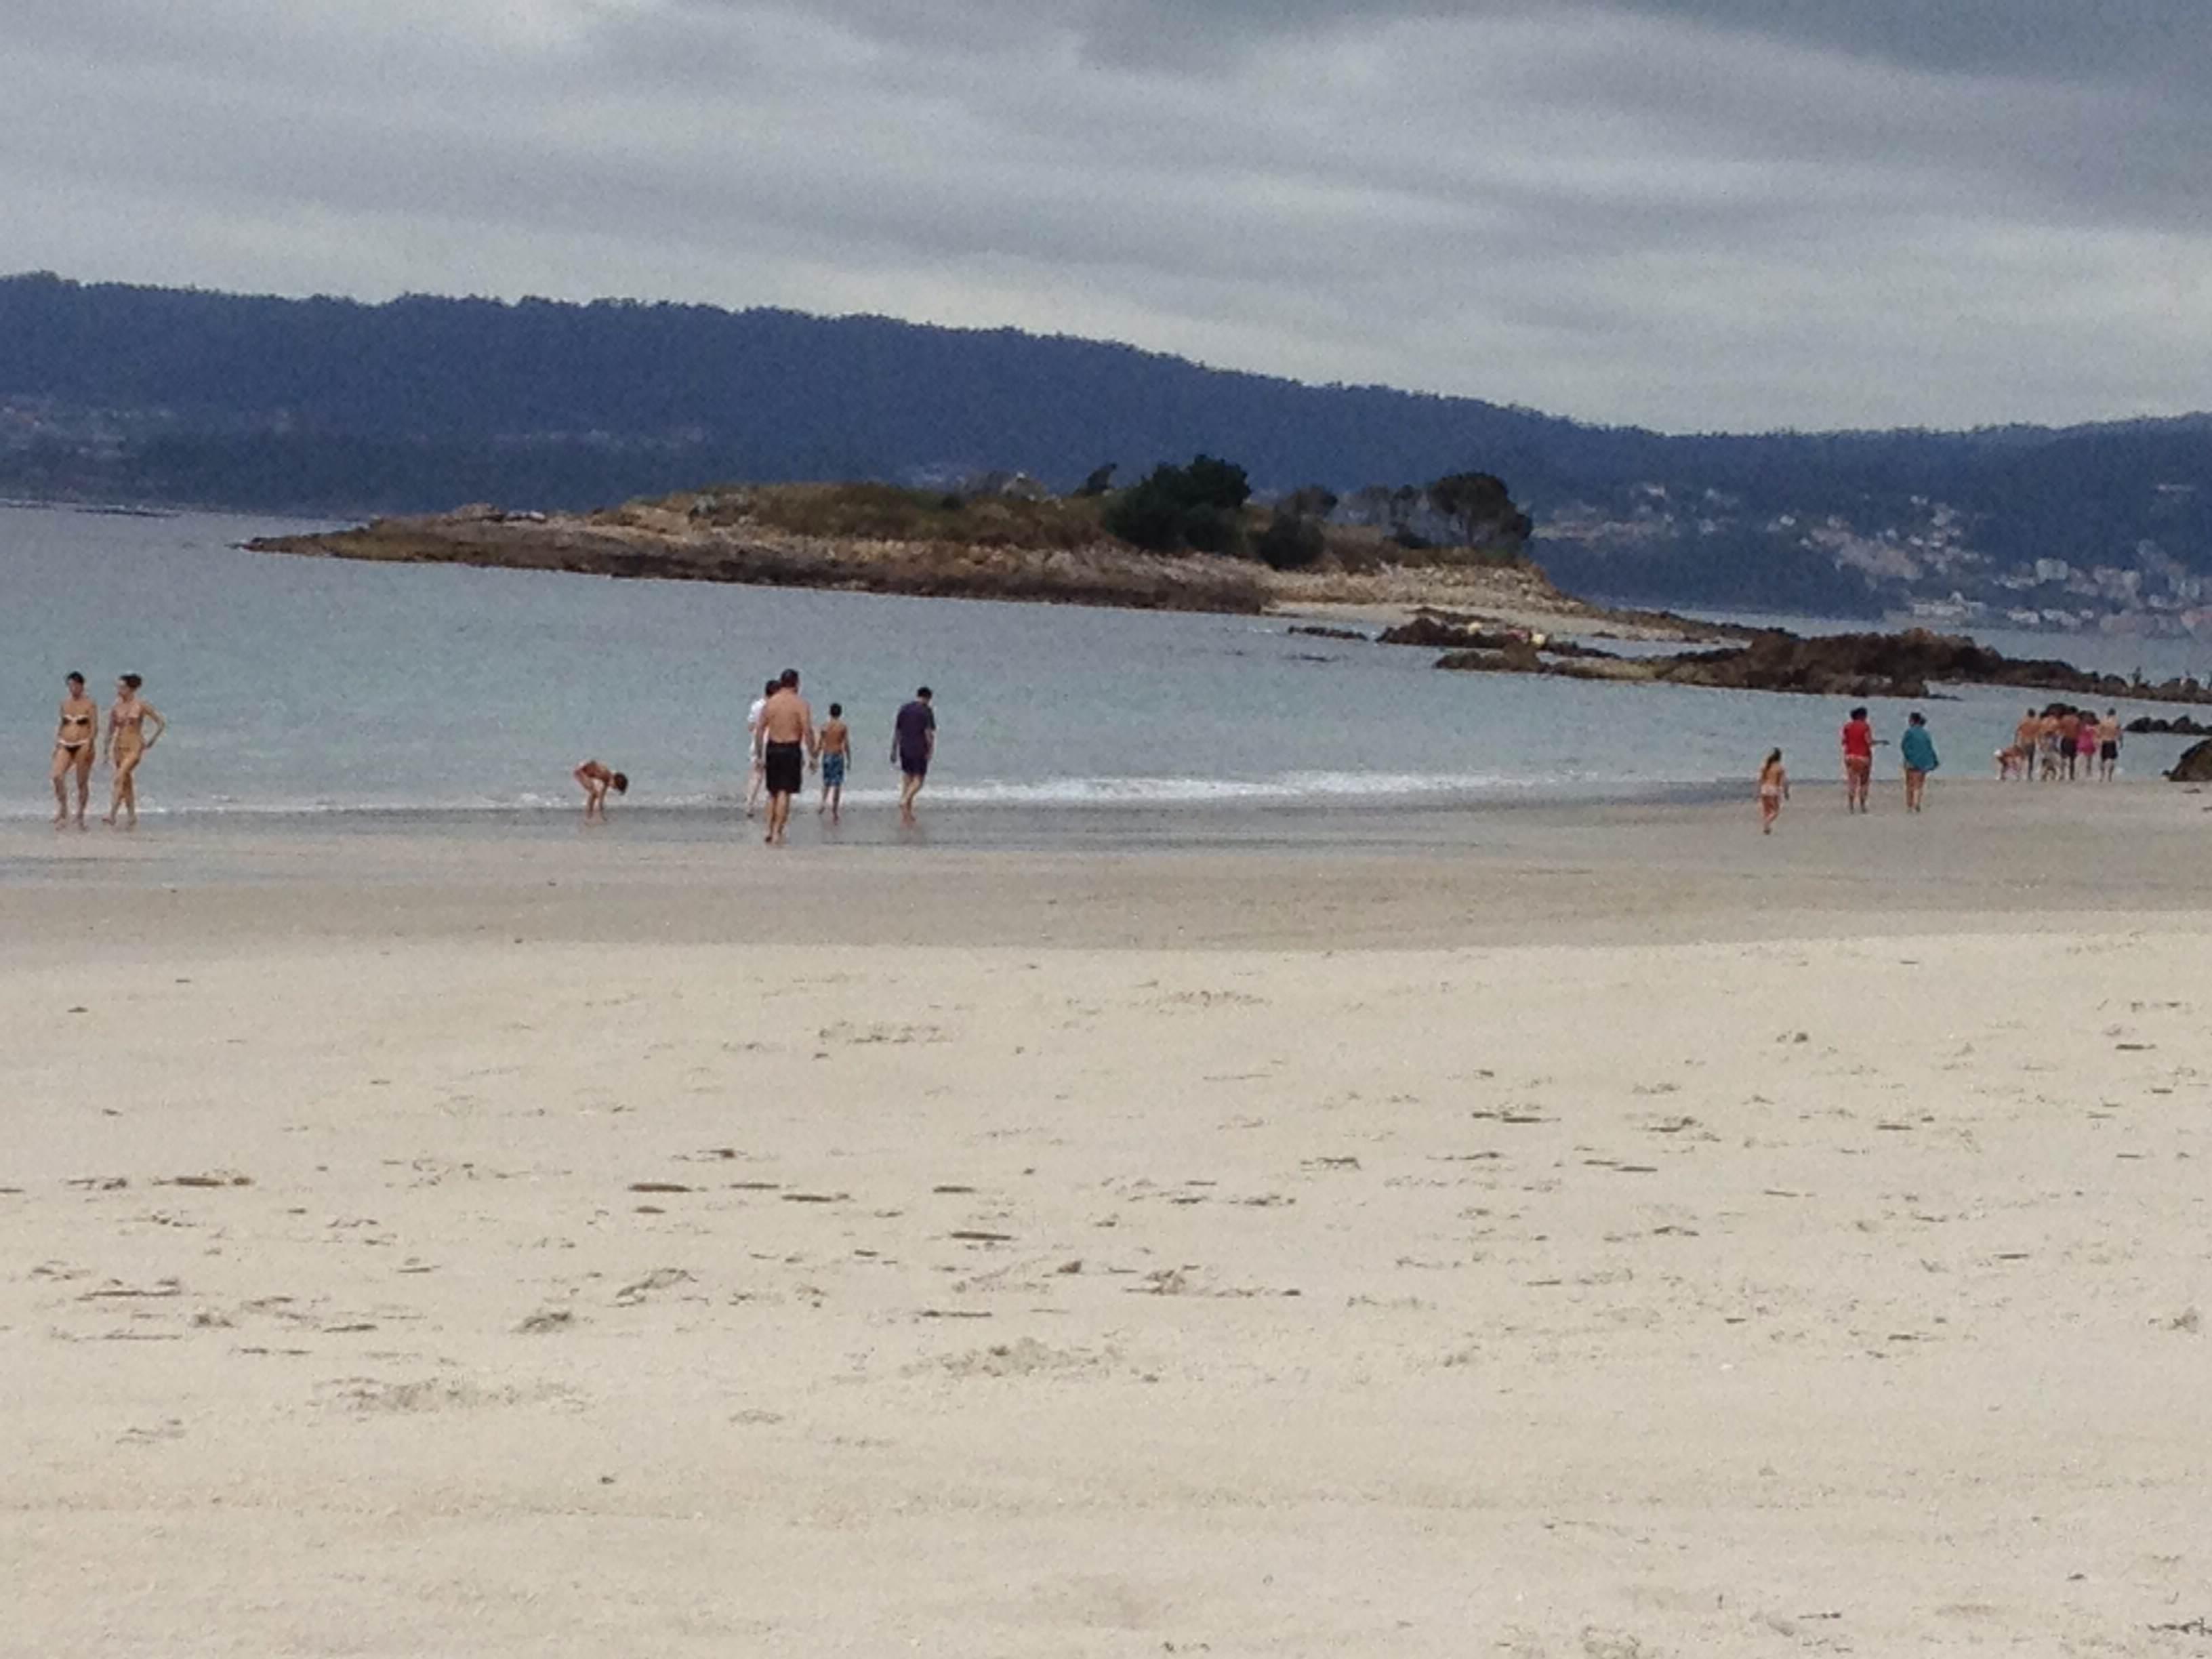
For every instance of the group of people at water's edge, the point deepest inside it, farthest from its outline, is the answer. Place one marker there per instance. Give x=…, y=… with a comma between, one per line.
x=786, y=746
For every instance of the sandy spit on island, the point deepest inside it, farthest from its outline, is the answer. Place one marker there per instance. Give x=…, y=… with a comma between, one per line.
x=399, y=1265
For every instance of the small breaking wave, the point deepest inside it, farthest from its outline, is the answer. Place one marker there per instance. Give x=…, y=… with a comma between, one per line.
x=1042, y=794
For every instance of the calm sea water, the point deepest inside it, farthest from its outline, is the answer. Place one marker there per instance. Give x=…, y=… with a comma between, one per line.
x=321, y=685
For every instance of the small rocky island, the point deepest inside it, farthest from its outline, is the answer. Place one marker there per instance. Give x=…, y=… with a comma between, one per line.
x=1906, y=664
x=1486, y=611
x=1010, y=539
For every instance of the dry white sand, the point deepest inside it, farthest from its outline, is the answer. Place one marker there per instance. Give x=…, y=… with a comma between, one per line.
x=373, y=1283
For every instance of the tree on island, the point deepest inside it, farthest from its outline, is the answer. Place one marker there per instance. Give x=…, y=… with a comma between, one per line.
x=1480, y=508
x=1294, y=537
x=1199, y=507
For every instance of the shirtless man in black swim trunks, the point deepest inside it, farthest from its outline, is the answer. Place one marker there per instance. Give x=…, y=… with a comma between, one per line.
x=74, y=751
x=788, y=744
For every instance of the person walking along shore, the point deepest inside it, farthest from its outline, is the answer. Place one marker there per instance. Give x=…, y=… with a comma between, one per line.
x=2108, y=746
x=1916, y=749
x=75, y=747
x=913, y=745
x=756, y=777
x=834, y=753
x=1858, y=742
x=787, y=746
x=128, y=743
x=1773, y=790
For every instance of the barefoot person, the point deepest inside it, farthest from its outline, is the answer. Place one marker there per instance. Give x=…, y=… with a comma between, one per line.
x=756, y=778
x=913, y=745
x=74, y=748
x=1858, y=761
x=834, y=750
x=1773, y=790
x=597, y=781
x=2025, y=739
x=128, y=743
x=2108, y=746
x=787, y=743
x=1916, y=749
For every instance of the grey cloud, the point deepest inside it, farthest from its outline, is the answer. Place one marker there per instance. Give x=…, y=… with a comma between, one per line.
x=2165, y=39
x=2168, y=40
x=1691, y=212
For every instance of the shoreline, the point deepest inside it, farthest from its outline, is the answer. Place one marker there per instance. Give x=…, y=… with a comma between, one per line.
x=1687, y=866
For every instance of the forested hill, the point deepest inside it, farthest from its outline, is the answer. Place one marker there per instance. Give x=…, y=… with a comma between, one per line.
x=183, y=397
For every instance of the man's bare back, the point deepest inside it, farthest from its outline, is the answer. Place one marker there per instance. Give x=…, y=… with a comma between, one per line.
x=788, y=719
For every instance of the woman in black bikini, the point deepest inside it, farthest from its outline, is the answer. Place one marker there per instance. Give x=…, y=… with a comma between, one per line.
x=74, y=747
x=128, y=743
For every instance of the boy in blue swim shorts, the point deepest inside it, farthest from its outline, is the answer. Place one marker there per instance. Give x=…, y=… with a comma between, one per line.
x=836, y=748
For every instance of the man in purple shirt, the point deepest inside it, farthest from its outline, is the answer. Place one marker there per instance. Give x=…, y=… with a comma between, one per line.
x=913, y=742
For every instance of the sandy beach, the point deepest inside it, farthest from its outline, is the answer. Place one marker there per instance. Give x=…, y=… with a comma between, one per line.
x=1608, y=1234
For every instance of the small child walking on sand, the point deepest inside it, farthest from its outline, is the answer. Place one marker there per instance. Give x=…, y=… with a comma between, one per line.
x=836, y=750
x=596, y=779
x=1773, y=790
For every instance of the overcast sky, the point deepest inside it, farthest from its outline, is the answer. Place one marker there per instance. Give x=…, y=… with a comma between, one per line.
x=1686, y=213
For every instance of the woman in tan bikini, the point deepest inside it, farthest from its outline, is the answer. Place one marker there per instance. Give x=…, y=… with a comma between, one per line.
x=75, y=746
x=128, y=743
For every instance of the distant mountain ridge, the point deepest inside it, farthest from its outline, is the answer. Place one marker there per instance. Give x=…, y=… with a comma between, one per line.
x=186, y=397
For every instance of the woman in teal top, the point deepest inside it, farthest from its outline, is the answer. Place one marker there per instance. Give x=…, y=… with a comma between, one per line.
x=1918, y=750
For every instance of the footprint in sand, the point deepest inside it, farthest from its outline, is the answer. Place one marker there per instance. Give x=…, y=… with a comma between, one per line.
x=660, y=1278
x=370, y=1395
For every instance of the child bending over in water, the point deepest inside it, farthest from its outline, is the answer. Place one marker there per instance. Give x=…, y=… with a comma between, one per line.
x=1773, y=790
x=836, y=748
x=597, y=781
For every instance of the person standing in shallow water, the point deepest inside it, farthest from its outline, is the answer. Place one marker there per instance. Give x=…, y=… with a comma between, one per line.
x=913, y=745
x=755, y=777
x=128, y=743
x=76, y=746
x=1916, y=749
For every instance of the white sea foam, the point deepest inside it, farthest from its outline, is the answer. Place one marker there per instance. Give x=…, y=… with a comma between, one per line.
x=1046, y=793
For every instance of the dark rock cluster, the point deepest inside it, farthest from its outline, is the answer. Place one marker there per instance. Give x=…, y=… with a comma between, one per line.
x=2195, y=765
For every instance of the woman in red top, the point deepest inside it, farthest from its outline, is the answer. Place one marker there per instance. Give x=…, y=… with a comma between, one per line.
x=1858, y=761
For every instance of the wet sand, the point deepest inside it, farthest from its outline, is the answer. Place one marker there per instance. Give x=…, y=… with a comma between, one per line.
x=1604, y=1232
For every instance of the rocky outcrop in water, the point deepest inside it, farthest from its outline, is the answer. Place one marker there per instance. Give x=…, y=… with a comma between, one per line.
x=2195, y=765
x=1830, y=665
x=1439, y=630
x=2180, y=727
x=1893, y=665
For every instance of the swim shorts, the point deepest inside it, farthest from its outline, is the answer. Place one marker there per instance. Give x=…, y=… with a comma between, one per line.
x=2108, y=751
x=833, y=771
x=785, y=766
x=915, y=764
